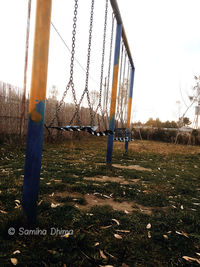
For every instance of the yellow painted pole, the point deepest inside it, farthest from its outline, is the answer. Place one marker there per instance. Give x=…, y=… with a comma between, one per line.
x=36, y=110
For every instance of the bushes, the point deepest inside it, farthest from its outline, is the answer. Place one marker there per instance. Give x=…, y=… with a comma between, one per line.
x=161, y=134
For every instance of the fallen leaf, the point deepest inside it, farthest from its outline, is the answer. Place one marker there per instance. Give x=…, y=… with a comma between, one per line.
x=54, y=205
x=96, y=244
x=14, y=261
x=148, y=226
x=16, y=252
x=2, y=211
x=182, y=207
x=182, y=233
x=191, y=259
x=117, y=222
x=117, y=236
x=39, y=203
x=106, y=227
x=196, y=204
x=17, y=206
x=65, y=236
x=123, y=231
x=111, y=255
x=102, y=254
x=106, y=196
x=149, y=234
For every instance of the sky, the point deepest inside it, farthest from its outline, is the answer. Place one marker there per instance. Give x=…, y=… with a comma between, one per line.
x=163, y=36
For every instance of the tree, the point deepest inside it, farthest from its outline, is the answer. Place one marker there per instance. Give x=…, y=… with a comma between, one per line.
x=53, y=92
x=154, y=123
x=186, y=121
x=150, y=122
x=94, y=98
x=194, y=98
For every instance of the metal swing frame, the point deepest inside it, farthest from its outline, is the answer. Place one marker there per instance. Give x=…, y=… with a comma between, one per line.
x=38, y=96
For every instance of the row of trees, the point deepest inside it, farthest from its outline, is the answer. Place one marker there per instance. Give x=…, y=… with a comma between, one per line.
x=157, y=123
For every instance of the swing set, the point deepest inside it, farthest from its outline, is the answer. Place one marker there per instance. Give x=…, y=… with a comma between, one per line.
x=102, y=123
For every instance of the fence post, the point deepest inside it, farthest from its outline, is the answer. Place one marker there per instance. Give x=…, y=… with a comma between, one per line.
x=36, y=110
x=114, y=95
x=129, y=110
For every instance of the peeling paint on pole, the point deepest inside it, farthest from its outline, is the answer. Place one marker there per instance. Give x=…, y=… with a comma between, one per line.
x=36, y=110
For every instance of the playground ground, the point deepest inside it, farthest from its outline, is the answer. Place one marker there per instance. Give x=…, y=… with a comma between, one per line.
x=145, y=211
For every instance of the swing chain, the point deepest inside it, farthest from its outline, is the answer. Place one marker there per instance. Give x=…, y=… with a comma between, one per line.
x=72, y=62
x=87, y=70
x=73, y=40
x=102, y=64
x=103, y=52
x=70, y=83
x=88, y=64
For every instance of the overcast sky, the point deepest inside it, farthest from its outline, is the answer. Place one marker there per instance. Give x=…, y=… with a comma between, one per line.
x=163, y=37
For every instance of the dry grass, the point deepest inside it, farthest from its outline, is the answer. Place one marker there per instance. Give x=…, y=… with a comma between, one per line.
x=159, y=148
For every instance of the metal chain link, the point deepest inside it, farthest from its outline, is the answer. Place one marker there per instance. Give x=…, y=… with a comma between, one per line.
x=72, y=62
x=103, y=58
x=70, y=83
x=87, y=70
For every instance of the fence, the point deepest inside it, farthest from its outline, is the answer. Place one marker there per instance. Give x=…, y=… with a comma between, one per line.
x=10, y=108
x=10, y=111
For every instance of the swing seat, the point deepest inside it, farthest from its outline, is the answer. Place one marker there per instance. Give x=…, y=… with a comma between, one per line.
x=122, y=139
x=89, y=129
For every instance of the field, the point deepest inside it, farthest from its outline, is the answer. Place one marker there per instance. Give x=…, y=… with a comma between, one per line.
x=145, y=211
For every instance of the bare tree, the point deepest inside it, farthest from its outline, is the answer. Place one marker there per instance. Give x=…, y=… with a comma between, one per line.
x=194, y=98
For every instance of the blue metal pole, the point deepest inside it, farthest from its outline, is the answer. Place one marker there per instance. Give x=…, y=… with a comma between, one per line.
x=114, y=95
x=129, y=110
x=36, y=110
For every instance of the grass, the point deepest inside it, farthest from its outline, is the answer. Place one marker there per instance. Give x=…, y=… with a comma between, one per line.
x=167, y=199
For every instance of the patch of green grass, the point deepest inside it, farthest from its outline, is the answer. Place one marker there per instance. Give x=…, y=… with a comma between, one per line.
x=172, y=184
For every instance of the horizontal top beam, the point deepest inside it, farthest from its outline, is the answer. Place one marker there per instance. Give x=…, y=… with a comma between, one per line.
x=119, y=21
